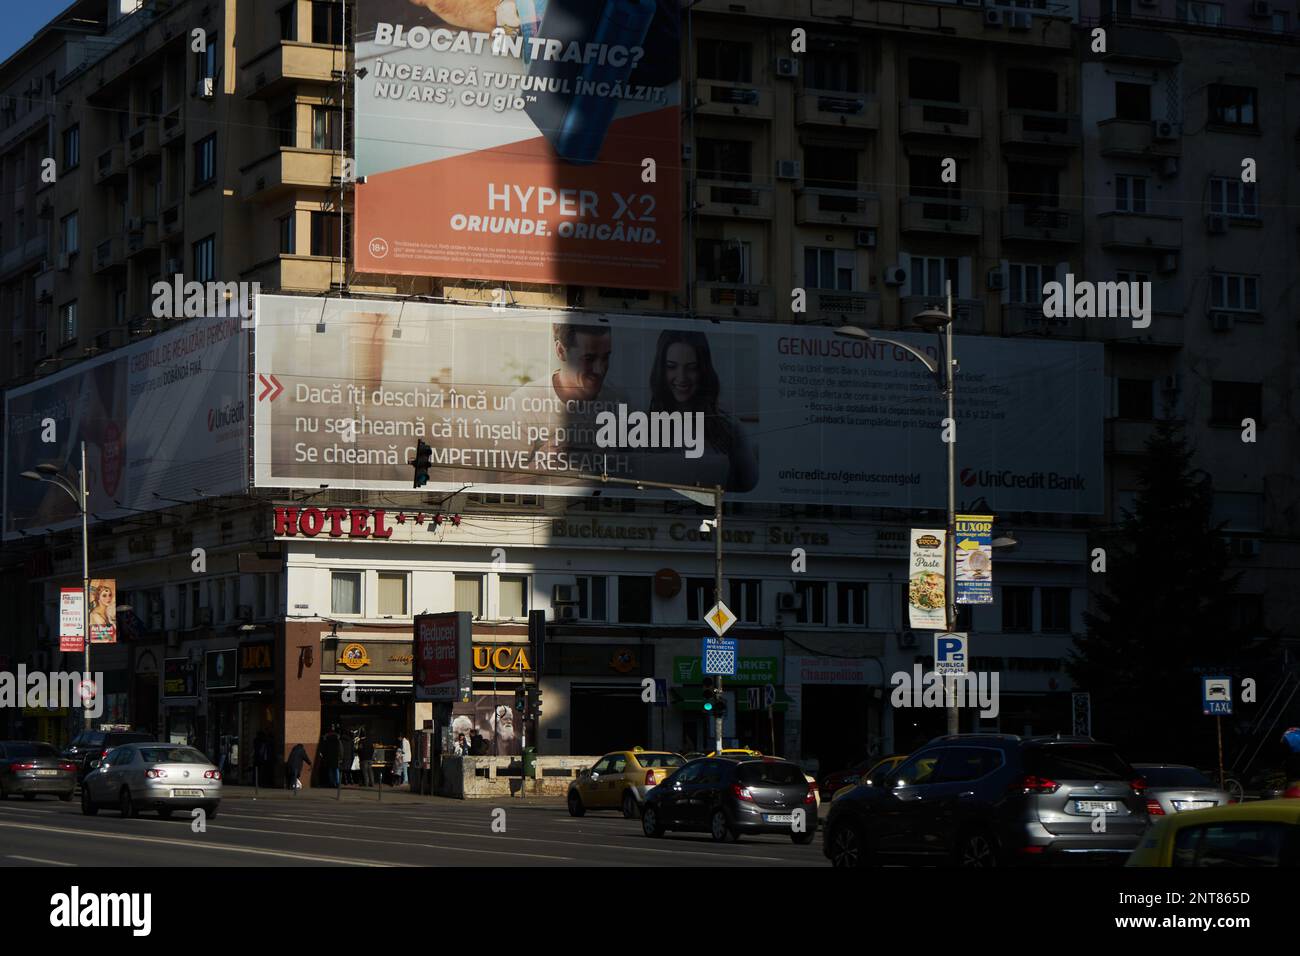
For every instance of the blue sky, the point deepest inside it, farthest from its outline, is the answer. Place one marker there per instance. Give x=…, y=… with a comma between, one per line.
x=22, y=18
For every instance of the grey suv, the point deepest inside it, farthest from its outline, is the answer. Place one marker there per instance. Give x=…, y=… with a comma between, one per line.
x=994, y=800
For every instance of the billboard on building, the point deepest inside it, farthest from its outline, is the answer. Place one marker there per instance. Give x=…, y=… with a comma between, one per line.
x=774, y=413
x=164, y=418
x=525, y=140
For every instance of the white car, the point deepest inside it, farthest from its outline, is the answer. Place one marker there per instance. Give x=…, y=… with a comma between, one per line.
x=152, y=776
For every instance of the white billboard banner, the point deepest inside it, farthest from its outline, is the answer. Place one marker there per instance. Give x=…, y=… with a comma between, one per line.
x=774, y=413
x=927, y=579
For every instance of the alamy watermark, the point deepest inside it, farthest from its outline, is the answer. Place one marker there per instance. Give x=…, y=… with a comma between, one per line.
x=179, y=299
x=971, y=689
x=52, y=690
x=1098, y=300
x=624, y=429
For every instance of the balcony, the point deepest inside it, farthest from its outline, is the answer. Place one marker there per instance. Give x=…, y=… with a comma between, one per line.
x=1139, y=138
x=142, y=238
x=110, y=255
x=173, y=127
x=288, y=64
x=725, y=98
x=297, y=274
x=836, y=207
x=110, y=165
x=1024, y=319
x=143, y=144
x=172, y=220
x=834, y=307
x=1037, y=128
x=288, y=169
x=733, y=199
x=928, y=118
x=1164, y=332
x=731, y=300
x=953, y=217
x=968, y=314
x=1042, y=224
x=1127, y=230
x=855, y=111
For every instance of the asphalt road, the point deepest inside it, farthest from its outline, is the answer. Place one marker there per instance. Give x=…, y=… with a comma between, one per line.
x=408, y=832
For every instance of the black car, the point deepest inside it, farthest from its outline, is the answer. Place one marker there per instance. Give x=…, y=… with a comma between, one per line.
x=30, y=767
x=727, y=797
x=994, y=800
x=92, y=745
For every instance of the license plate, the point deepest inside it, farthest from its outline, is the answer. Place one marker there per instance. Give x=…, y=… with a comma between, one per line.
x=1096, y=806
x=47, y=773
x=187, y=793
x=778, y=818
x=1193, y=804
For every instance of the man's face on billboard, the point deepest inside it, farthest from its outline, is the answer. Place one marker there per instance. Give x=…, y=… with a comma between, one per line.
x=584, y=364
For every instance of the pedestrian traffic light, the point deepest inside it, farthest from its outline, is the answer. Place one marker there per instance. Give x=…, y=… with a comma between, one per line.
x=423, y=459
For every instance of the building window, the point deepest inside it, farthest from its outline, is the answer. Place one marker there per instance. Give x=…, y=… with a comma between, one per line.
x=634, y=599
x=1032, y=90
x=288, y=15
x=1233, y=105
x=205, y=259
x=746, y=599
x=1017, y=608
x=724, y=60
x=345, y=592
x=71, y=148
x=1033, y=185
x=469, y=594
x=938, y=80
x=1234, y=292
x=119, y=305
x=728, y=159
x=825, y=168
x=327, y=22
x=324, y=128
x=1026, y=281
x=722, y=260
x=1133, y=101
x=929, y=275
x=1056, y=610
x=1136, y=399
x=392, y=594
x=69, y=240
x=68, y=322
x=288, y=230
x=285, y=124
x=1232, y=197
x=1230, y=402
x=1200, y=13
x=325, y=234
x=205, y=62
x=512, y=596
x=833, y=67
x=205, y=160
x=814, y=602
x=830, y=269
x=592, y=595
x=1130, y=194
x=851, y=604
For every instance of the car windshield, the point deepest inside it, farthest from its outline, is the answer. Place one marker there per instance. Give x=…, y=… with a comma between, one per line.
x=660, y=760
x=1078, y=762
x=90, y=740
x=30, y=750
x=172, y=755
x=1175, y=777
x=759, y=774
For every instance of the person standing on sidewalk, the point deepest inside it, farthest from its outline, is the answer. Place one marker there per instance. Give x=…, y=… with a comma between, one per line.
x=329, y=757
x=402, y=760
x=297, y=757
x=347, y=751
x=366, y=751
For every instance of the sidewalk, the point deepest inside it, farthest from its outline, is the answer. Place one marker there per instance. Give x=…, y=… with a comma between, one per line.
x=400, y=796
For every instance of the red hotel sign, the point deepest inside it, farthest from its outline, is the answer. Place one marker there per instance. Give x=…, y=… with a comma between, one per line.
x=312, y=521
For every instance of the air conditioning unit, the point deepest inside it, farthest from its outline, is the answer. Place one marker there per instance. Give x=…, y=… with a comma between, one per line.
x=997, y=280
x=206, y=88
x=1163, y=130
x=1260, y=9
x=65, y=262
x=907, y=640
x=1021, y=20
x=895, y=275
x=1169, y=168
x=787, y=66
x=865, y=238
x=566, y=612
x=174, y=267
x=789, y=601
x=1172, y=383
x=1168, y=262
x=1248, y=547
x=788, y=169
x=992, y=18
x=1216, y=224
x=1221, y=321
x=564, y=594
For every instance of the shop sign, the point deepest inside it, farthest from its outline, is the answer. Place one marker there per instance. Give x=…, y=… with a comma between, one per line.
x=749, y=670
x=354, y=657
x=256, y=658
x=359, y=522
x=180, y=678
x=220, y=669
x=507, y=657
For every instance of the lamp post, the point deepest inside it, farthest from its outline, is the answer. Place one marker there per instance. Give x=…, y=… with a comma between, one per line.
x=939, y=322
x=51, y=475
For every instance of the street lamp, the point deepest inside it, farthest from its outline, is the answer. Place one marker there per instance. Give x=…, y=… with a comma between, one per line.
x=51, y=475
x=939, y=322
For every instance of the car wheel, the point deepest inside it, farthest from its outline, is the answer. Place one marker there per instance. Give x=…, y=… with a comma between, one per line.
x=87, y=805
x=125, y=805
x=977, y=849
x=650, y=824
x=848, y=846
x=803, y=839
x=576, y=809
x=720, y=830
x=165, y=812
x=629, y=806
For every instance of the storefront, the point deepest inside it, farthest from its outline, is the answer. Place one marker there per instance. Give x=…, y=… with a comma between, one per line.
x=490, y=723
x=366, y=688
x=595, y=698
x=836, y=713
x=756, y=727
x=180, y=701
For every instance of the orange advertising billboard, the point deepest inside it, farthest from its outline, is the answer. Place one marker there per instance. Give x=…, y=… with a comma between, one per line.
x=525, y=141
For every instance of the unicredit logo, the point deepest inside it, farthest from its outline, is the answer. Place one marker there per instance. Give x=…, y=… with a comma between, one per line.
x=226, y=415
x=1048, y=480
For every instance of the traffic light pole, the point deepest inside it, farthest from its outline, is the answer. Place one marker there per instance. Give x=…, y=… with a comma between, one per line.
x=717, y=585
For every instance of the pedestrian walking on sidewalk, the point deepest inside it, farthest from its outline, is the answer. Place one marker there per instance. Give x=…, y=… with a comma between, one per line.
x=330, y=752
x=366, y=751
x=297, y=757
x=402, y=760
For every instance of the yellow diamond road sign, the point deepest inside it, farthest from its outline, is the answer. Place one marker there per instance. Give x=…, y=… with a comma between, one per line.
x=720, y=618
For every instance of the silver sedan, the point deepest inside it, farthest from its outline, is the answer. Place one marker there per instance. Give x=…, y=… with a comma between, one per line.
x=1175, y=788
x=152, y=776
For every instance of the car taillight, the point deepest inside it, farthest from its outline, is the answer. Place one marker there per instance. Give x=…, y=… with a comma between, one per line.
x=650, y=778
x=212, y=775
x=1154, y=809
x=1032, y=784
x=153, y=773
x=742, y=793
x=68, y=766
x=811, y=796
x=1292, y=791
x=15, y=767
x=103, y=753
x=1139, y=785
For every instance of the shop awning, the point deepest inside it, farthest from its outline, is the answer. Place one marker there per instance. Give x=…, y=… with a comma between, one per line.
x=692, y=700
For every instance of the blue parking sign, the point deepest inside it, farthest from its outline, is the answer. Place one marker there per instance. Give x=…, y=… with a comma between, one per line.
x=950, y=654
x=1216, y=696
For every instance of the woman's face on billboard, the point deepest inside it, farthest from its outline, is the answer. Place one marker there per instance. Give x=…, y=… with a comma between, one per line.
x=681, y=372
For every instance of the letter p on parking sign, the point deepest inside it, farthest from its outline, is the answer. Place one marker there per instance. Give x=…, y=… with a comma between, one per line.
x=950, y=653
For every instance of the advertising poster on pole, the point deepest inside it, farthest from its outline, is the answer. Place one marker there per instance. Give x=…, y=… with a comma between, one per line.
x=974, y=559
x=926, y=594
x=71, y=620
x=103, y=611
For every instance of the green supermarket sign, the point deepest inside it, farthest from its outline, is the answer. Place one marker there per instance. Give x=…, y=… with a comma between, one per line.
x=749, y=670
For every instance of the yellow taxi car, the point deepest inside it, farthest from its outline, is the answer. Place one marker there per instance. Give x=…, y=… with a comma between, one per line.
x=620, y=780
x=877, y=771
x=1261, y=833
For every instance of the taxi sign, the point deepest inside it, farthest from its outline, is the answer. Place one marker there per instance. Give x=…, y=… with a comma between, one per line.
x=1216, y=695
x=719, y=618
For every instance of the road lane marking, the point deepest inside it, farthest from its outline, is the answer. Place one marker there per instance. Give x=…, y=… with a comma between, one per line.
x=37, y=859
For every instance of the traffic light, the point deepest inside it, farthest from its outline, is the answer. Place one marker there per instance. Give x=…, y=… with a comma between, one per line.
x=537, y=702
x=709, y=701
x=715, y=704
x=521, y=702
x=423, y=459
